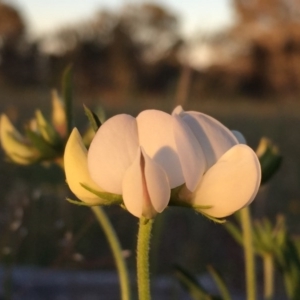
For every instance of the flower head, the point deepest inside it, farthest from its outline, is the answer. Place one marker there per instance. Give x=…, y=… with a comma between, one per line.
x=232, y=174
x=143, y=158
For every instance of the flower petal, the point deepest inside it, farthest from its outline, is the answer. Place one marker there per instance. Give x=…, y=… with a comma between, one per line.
x=133, y=187
x=59, y=119
x=231, y=183
x=146, y=189
x=157, y=184
x=75, y=163
x=190, y=153
x=112, y=151
x=214, y=138
x=155, y=129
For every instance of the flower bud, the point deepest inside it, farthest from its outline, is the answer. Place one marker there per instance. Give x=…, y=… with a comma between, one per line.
x=14, y=144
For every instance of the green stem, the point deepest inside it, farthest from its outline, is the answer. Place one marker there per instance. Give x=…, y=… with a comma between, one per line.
x=143, y=245
x=268, y=276
x=114, y=245
x=116, y=249
x=249, y=254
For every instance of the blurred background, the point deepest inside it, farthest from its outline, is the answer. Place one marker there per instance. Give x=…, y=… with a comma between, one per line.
x=238, y=60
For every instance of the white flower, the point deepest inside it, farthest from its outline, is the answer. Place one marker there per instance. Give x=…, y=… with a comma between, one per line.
x=143, y=158
x=138, y=158
x=232, y=175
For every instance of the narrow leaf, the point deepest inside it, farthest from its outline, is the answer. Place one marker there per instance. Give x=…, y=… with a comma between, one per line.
x=78, y=202
x=220, y=283
x=93, y=118
x=111, y=198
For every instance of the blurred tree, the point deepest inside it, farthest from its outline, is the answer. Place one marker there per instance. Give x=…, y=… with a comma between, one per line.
x=17, y=56
x=152, y=27
x=267, y=11
x=122, y=53
x=264, y=49
x=12, y=26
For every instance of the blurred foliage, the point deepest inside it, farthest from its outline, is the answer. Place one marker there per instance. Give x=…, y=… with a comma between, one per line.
x=140, y=50
x=263, y=53
x=12, y=25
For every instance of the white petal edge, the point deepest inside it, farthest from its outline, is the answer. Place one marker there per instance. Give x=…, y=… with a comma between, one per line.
x=157, y=184
x=133, y=188
x=155, y=129
x=241, y=139
x=192, y=159
x=214, y=138
x=231, y=183
x=75, y=164
x=112, y=151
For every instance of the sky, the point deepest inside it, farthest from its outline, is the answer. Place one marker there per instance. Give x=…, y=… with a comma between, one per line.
x=44, y=16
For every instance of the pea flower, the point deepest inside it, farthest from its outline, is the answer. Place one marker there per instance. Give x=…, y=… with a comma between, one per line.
x=232, y=174
x=143, y=158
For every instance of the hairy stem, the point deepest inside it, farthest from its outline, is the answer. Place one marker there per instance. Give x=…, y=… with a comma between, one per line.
x=143, y=246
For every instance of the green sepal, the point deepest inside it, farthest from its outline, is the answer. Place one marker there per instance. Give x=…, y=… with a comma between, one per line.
x=219, y=221
x=93, y=118
x=45, y=149
x=145, y=220
x=198, y=208
x=80, y=203
x=111, y=198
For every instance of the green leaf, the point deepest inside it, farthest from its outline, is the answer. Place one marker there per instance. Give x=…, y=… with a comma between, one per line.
x=220, y=283
x=67, y=91
x=93, y=118
x=111, y=198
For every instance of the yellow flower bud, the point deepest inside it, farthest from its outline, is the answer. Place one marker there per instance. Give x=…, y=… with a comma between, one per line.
x=75, y=162
x=58, y=114
x=14, y=145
